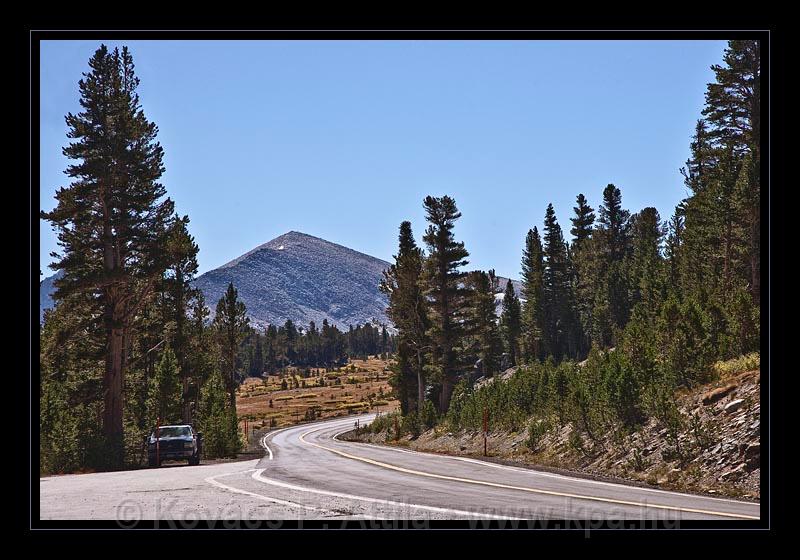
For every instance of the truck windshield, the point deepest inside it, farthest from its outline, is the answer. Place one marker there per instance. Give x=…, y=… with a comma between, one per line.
x=174, y=431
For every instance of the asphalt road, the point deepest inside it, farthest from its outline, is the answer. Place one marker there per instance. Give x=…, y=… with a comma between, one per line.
x=307, y=473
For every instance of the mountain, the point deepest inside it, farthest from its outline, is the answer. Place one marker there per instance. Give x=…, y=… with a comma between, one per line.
x=302, y=278
x=501, y=290
x=46, y=289
x=299, y=277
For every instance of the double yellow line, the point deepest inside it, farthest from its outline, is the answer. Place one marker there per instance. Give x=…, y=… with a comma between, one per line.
x=521, y=488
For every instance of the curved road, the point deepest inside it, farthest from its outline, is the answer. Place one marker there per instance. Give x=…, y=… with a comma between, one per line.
x=307, y=473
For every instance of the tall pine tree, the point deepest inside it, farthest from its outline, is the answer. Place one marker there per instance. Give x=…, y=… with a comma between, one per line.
x=584, y=261
x=444, y=289
x=614, y=234
x=408, y=311
x=230, y=323
x=112, y=221
x=558, y=300
x=511, y=322
x=483, y=322
x=533, y=294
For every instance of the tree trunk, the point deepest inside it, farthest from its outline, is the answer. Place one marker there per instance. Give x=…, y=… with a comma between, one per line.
x=420, y=385
x=112, y=393
x=185, y=399
x=444, y=397
x=114, y=319
x=726, y=273
x=232, y=399
x=755, y=258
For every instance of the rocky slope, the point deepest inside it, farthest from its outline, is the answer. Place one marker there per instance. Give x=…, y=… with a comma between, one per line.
x=721, y=451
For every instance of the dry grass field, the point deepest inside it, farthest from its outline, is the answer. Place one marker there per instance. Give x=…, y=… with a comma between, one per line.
x=312, y=394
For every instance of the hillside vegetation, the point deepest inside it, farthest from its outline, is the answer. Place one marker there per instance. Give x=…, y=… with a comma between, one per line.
x=709, y=442
x=621, y=317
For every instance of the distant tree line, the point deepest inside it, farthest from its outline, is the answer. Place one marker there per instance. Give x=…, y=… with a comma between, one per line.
x=271, y=350
x=651, y=304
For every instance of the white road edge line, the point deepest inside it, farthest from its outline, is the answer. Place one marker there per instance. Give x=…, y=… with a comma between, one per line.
x=523, y=488
x=258, y=475
x=265, y=446
x=212, y=480
x=272, y=433
x=539, y=473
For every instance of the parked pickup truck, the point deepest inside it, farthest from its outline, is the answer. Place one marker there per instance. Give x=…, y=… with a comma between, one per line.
x=176, y=442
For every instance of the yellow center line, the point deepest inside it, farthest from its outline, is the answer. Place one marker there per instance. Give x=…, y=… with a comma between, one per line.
x=521, y=488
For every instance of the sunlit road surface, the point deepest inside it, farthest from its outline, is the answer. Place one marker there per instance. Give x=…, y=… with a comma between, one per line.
x=307, y=473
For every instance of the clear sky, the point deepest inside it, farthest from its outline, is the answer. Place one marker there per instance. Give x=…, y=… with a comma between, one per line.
x=343, y=140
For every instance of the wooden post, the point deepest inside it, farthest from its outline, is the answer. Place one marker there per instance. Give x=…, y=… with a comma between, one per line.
x=485, y=428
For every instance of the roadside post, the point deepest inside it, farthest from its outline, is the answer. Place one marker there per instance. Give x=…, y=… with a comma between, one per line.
x=485, y=428
x=396, y=429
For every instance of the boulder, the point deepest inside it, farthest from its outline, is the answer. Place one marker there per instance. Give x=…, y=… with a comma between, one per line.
x=733, y=473
x=753, y=450
x=733, y=406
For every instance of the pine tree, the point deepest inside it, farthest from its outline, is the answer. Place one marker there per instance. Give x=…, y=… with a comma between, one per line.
x=164, y=391
x=582, y=222
x=444, y=290
x=408, y=311
x=614, y=224
x=483, y=322
x=271, y=353
x=699, y=266
x=733, y=114
x=720, y=251
x=511, y=322
x=291, y=335
x=200, y=357
x=584, y=259
x=217, y=419
x=230, y=323
x=177, y=293
x=532, y=293
x=558, y=300
x=672, y=249
x=70, y=390
x=112, y=221
x=614, y=233
x=646, y=273
x=257, y=367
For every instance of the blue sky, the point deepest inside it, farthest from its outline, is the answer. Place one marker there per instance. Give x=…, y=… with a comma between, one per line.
x=343, y=139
